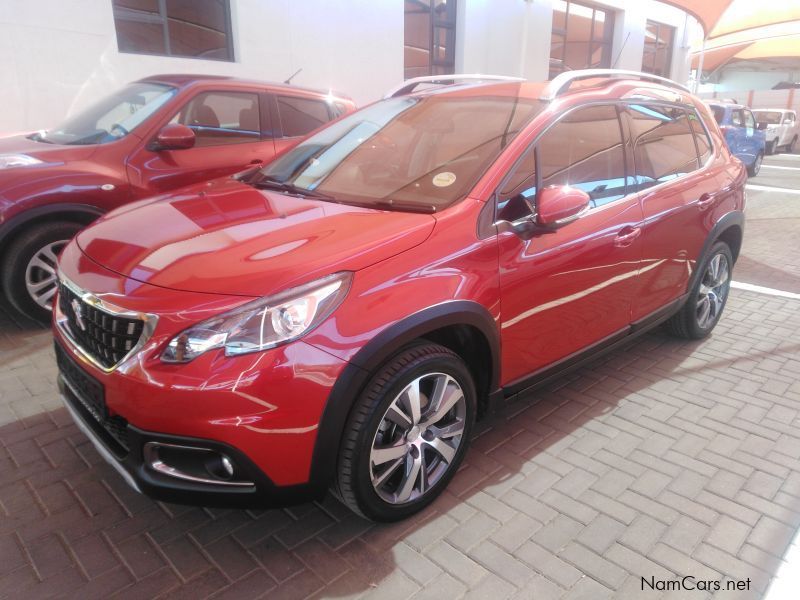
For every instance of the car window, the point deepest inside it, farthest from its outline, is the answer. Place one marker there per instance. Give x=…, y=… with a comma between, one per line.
x=663, y=143
x=749, y=121
x=791, y=117
x=769, y=117
x=300, y=116
x=700, y=137
x=719, y=113
x=736, y=118
x=219, y=118
x=584, y=150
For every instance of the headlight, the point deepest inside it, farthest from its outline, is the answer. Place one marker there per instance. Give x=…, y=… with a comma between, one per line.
x=264, y=323
x=9, y=161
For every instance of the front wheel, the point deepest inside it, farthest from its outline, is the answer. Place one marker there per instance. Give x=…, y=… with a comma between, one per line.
x=792, y=145
x=771, y=147
x=407, y=434
x=29, y=267
x=708, y=296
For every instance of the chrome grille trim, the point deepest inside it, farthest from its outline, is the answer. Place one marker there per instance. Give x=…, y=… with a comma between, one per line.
x=62, y=322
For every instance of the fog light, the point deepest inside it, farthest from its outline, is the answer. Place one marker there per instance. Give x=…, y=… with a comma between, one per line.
x=191, y=463
x=227, y=465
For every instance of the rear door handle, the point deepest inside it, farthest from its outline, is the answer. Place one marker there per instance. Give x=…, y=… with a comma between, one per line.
x=256, y=161
x=705, y=200
x=627, y=236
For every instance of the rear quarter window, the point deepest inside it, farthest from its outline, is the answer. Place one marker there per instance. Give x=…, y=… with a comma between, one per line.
x=301, y=116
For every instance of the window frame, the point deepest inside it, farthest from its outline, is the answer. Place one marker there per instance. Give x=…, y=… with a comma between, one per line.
x=434, y=24
x=653, y=51
x=128, y=14
x=628, y=148
x=607, y=41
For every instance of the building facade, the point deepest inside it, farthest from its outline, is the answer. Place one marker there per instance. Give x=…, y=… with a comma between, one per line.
x=61, y=55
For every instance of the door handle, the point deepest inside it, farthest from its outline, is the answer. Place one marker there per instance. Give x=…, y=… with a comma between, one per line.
x=705, y=200
x=256, y=161
x=627, y=236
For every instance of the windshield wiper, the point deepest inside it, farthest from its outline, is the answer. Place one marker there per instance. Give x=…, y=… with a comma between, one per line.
x=270, y=183
x=390, y=204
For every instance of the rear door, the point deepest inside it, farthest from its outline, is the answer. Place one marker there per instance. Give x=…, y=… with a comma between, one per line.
x=675, y=193
x=567, y=289
x=233, y=131
x=753, y=138
x=297, y=116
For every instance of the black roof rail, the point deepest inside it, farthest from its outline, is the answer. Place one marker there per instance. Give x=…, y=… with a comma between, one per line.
x=409, y=85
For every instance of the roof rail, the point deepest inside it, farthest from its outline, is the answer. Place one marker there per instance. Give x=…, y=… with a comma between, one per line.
x=561, y=83
x=409, y=84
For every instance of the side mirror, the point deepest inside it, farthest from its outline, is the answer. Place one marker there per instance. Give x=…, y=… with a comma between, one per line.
x=788, y=122
x=557, y=206
x=173, y=137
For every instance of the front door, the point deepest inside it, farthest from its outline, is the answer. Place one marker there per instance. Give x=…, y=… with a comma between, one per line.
x=568, y=289
x=232, y=132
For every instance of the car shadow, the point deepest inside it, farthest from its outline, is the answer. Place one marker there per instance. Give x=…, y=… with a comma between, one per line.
x=55, y=489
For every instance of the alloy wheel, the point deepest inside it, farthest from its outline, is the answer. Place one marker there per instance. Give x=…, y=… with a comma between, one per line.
x=40, y=274
x=418, y=438
x=713, y=291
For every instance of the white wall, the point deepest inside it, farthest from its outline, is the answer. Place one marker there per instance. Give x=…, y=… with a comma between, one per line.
x=58, y=55
x=512, y=37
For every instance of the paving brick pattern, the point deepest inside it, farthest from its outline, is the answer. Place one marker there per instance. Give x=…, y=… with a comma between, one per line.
x=663, y=459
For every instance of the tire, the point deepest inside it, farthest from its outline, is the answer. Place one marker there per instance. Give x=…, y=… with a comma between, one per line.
x=792, y=147
x=392, y=488
x=31, y=259
x=753, y=169
x=771, y=147
x=692, y=322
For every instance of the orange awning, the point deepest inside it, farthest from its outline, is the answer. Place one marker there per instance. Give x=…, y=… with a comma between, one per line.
x=707, y=12
x=750, y=14
x=782, y=47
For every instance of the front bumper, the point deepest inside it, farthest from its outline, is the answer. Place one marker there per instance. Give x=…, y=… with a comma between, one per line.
x=132, y=466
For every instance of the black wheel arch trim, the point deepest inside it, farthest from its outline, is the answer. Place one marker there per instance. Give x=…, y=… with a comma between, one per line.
x=378, y=350
x=731, y=219
x=11, y=226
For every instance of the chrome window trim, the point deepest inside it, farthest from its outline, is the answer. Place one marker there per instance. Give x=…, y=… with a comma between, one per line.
x=150, y=322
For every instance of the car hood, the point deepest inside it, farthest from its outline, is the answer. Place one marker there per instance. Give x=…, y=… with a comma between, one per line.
x=226, y=237
x=52, y=153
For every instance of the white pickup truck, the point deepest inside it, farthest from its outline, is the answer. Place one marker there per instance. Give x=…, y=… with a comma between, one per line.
x=780, y=127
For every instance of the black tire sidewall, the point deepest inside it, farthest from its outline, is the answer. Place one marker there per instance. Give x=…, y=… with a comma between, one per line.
x=696, y=331
x=370, y=504
x=18, y=255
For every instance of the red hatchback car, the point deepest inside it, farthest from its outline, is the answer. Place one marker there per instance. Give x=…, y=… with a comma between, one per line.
x=340, y=318
x=150, y=137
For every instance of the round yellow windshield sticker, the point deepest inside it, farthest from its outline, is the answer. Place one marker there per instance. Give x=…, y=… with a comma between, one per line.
x=444, y=179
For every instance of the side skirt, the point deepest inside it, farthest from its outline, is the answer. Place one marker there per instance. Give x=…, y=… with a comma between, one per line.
x=542, y=377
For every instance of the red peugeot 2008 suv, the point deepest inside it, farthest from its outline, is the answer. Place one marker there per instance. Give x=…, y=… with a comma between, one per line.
x=340, y=318
x=150, y=137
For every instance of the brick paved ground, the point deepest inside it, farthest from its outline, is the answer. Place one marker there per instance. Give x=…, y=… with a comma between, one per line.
x=665, y=458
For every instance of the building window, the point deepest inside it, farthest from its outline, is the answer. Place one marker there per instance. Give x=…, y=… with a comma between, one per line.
x=581, y=37
x=192, y=28
x=430, y=37
x=658, y=40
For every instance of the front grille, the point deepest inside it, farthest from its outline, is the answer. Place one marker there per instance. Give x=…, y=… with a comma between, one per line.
x=106, y=337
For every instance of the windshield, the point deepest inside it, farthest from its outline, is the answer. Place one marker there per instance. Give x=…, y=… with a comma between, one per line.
x=112, y=118
x=771, y=117
x=415, y=153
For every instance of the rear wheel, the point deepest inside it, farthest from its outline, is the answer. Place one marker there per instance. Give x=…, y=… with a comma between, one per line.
x=29, y=267
x=771, y=147
x=407, y=434
x=708, y=296
x=792, y=145
x=753, y=169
